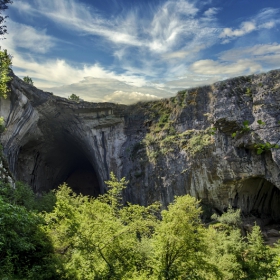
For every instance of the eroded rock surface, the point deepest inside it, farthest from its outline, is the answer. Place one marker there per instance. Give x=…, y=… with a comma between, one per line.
x=164, y=148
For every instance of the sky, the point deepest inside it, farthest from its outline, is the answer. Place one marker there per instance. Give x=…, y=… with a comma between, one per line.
x=124, y=51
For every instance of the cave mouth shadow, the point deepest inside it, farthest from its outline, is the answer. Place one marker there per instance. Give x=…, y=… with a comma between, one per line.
x=45, y=166
x=83, y=179
x=259, y=198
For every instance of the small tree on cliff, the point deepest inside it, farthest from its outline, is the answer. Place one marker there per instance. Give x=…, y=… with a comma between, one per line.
x=74, y=97
x=28, y=80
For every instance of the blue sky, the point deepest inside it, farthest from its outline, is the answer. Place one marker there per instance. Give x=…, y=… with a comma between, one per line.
x=129, y=50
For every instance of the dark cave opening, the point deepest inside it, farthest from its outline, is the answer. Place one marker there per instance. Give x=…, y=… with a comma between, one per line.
x=259, y=198
x=44, y=166
x=83, y=179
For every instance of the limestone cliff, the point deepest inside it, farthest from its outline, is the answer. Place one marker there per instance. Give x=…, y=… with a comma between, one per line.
x=170, y=147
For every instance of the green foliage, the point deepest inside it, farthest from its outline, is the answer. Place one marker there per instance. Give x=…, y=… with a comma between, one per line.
x=198, y=142
x=245, y=128
x=23, y=195
x=83, y=238
x=212, y=130
x=2, y=124
x=265, y=147
x=100, y=238
x=260, y=122
x=231, y=217
x=248, y=92
x=3, y=6
x=28, y=80
x=74, y=97
x=179, y=247
x=259, y=257
x=25, y=250
x=5, y=63
x=192, y=141
x=237, y=257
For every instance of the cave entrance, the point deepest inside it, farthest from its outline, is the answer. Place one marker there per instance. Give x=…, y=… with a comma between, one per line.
x=44, y=166
x=258, y=197
x=83, y=179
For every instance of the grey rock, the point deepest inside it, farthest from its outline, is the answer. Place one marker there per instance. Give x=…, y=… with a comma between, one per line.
x=273, y=233
x=49, y=139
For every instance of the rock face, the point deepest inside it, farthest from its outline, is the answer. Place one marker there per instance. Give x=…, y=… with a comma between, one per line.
x=164, y=148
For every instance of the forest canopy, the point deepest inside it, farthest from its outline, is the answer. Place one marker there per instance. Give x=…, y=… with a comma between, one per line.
x=63, y=235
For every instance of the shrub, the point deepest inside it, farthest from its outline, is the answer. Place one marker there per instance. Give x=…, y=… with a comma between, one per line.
x=74, y=97
x=28, y=80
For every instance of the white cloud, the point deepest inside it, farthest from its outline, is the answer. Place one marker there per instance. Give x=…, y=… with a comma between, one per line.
x=268, y=25
x=257, y=52
x=160, y=32
x=212, y=67
x=109, y=89
x=128, y=97
x=265, y=19
x=211, y=12
x=246, y=27
x=163, y=45
x=241, y=61
x=29, y=38
x=183, y=54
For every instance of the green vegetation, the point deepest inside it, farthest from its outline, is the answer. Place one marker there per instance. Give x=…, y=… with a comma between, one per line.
x=3, y=7
x=26, y=251
x=5, y=63
x=63, y=235
x=2, y=124
x=259, y=147
x=74, y=97
x=28, y=80
x=265, y=147
x=163, y=137
x=191, y=141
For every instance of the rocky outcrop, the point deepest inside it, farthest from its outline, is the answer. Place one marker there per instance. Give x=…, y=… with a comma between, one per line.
x=170, y=147
x=50, y=139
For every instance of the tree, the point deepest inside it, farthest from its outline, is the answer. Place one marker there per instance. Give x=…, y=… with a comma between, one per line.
x=238, y=257
x=5, y=63
x=74, y=97
x=180, y=250
x=3, y=7
x=26, y=251
x=28, y=80
x=101, y=238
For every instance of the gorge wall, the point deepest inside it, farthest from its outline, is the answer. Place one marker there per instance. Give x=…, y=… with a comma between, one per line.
x=164, y=148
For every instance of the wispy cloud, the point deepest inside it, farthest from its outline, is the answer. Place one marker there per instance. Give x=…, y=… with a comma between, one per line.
x=29, y=38
x=155, y=54
x=164, y=27
x=266, y=19
x=245, y=27
x=240, y=61
x=212, y=67
x=211, y=12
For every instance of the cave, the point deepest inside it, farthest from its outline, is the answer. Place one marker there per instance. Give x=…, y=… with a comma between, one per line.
x=83, y=179
x=258, y=197
x=44, y=166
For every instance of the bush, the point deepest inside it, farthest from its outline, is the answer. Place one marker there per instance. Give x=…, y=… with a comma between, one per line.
x=74, y=97
x=28, y=80
x=23, y=195
x=231, y=217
